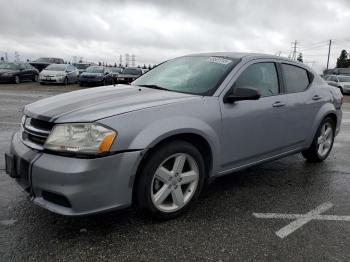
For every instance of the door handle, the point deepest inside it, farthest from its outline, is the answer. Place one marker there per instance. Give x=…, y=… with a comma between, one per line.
x=278, y=104
x=316, y=97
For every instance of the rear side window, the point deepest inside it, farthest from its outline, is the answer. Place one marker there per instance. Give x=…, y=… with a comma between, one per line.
x=296, y=78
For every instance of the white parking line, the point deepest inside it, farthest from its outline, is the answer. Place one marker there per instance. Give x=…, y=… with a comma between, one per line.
x=302, y=219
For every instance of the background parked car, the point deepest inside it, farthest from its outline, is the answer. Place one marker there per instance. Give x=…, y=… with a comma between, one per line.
x=43, y=62
x=59, y=73
x=129, y=74
x=82, y=67
x=115, y=72
x=338, y=71
x=96, y=76
x=17, y=72
x=340, y=81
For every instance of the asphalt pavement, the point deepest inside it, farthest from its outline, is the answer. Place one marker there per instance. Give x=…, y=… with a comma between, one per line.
x=286, y=210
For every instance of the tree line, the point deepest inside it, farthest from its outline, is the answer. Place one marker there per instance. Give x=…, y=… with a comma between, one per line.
x=343, y=60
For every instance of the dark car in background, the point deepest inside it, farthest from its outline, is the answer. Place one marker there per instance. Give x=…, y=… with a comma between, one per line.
x=82, y=67
x=43, y=62
x=96, y=76
x=17, y=72
x=115, y=72
x=128, y=75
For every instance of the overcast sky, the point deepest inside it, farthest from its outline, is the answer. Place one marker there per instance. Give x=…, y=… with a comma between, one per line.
x=158, y=30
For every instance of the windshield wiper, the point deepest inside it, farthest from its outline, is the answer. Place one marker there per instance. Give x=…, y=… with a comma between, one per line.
x=155, y=87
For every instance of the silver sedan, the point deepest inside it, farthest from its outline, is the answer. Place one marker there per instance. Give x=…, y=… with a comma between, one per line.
x=157, y=142
x=59, y=74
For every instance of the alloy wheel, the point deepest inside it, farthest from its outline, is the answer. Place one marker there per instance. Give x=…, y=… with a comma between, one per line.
x=174, y=182
x=17, y=81
x=325, y=140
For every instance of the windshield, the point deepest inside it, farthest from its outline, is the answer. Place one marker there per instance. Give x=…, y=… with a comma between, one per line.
x=9, y=66
x=44, y=59
x=132, y=71
x=56, y=67
x=344, y=71
x=344, y=78
x=94, y=69
x=116, y=69
x=82, y=66
x=195, y=75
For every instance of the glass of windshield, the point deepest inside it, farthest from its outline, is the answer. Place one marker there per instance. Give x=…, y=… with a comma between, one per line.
x=131, y=71
x=94, y=69
x=82, y=66
x=56, y=68
x=116, y=69
x=8, y=66
x=191, y=74
x=344, y=78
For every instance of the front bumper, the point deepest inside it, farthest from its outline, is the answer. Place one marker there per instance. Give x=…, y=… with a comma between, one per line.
x=7, y=78
x=55, y=79
x=346, y=89
x=75, y=186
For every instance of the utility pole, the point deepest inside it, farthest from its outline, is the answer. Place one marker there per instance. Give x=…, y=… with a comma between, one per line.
x=294, y=54
x=329, y=52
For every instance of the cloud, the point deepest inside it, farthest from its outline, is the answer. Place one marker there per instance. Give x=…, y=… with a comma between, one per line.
x=158, y=30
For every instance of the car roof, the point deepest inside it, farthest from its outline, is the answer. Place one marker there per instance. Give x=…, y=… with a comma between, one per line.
x=240, y=55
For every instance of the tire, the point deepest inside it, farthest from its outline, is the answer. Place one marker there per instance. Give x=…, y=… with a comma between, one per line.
x=41, y=83
x=65, y=81
x=81, y=84
x=322, y=143
x=104, y=82
x=35, y=78
x=162, y=189
x=17, y=80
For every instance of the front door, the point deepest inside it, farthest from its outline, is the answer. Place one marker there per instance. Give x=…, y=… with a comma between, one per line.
x=254, y=130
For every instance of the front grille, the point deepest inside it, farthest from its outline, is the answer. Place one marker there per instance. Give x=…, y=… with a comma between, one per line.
x=35, y=132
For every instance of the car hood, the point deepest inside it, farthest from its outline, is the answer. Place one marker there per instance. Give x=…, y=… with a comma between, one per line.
x=91, y=74
x=96, y=103
x=130, y=76
x=3, y=71
x=55, y=73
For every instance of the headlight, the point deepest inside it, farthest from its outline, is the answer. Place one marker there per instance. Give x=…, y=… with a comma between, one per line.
x=80, y=137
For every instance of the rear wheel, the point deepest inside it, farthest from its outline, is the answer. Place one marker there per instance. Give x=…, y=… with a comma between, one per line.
x=171, y=180
x=322, y=143
x=35, y=78
x=65, y=81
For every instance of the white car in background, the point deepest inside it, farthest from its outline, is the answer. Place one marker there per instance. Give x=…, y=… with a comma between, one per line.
x=59, y=74
x=340, y=81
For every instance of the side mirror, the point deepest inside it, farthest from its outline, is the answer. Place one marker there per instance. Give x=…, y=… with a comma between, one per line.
x=242, y=94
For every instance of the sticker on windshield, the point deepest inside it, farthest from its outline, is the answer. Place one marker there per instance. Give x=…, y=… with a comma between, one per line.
x=219, y=60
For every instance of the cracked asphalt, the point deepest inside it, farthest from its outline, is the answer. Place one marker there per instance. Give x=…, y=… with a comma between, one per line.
x=219, y=227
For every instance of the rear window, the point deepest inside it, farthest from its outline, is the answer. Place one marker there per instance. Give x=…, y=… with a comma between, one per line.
x=296, y=78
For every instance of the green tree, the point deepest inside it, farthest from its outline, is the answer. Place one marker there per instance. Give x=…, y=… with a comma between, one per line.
x=343, y=60
x=300, y=58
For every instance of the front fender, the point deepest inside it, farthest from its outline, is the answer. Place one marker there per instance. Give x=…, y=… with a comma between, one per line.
x=162, y=129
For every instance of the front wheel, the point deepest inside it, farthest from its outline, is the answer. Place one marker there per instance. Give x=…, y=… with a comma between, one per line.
x=17, y=80
x=35, y=78
x=323, y=142
x=171, y=180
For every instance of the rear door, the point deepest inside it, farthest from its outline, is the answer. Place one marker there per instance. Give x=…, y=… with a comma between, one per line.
x=303, y=103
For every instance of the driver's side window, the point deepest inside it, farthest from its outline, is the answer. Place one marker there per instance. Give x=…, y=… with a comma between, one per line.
x=261, y=77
